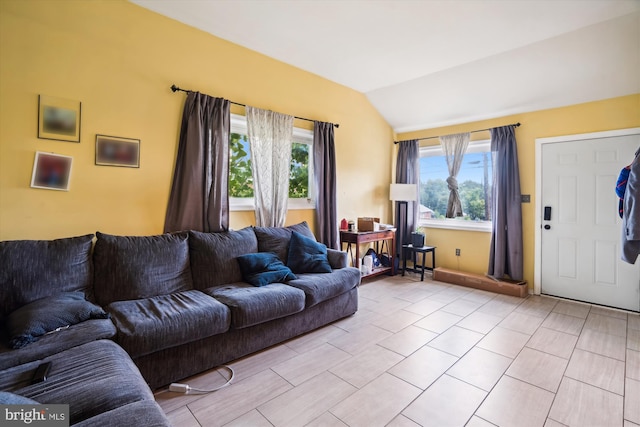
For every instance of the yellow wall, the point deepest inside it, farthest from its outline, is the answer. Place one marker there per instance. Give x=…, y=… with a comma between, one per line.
x=119, y=60
x=616, y=113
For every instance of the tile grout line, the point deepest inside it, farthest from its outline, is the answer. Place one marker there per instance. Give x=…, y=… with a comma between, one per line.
x=381, y=298
x=555, y=395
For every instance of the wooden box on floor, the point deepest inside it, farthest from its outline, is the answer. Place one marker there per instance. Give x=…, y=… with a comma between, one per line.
x=477, y=281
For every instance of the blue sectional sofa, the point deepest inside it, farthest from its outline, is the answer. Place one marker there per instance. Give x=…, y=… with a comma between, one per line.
x=156, y=309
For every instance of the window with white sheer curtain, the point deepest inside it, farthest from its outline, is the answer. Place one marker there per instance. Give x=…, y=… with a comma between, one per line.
x=301, y=182
x=270, y=135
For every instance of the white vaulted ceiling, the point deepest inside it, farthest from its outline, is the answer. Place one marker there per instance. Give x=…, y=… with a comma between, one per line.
x=430, y=63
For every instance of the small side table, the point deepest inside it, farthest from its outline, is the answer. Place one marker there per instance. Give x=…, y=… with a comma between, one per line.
x=409, y=249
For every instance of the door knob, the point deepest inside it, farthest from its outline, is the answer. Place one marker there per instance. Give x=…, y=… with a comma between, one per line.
x=547, y=227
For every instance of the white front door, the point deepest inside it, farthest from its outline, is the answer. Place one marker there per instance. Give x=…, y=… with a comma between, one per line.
x=580, y=230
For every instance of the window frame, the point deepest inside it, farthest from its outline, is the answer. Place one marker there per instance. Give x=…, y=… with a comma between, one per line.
x=478, y=146
x=238, y=124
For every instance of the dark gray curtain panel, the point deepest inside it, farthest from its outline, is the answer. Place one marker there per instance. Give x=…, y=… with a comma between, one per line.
x=407, y=172
x=199, y=198
x=324, y=171
x=505, y=257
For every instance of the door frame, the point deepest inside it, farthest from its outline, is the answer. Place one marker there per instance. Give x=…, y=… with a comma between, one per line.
x=537, y=268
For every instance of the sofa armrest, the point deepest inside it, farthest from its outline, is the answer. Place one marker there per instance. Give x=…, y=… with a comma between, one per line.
x=337, y=259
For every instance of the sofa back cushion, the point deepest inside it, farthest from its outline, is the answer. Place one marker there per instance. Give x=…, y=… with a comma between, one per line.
x=135, y=267
x=213, y=256
x=35, y=269
x=276, y=239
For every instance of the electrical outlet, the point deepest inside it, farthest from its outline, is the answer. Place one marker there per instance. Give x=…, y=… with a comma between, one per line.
x=457, y=252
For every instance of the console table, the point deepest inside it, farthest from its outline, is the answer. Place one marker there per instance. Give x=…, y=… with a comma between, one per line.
x=381, y=238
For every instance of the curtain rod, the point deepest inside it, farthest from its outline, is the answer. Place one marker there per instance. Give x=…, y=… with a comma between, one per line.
x=473, y=131
x=175, y=88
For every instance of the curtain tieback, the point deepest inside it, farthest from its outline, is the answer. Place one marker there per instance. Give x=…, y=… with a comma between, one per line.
x=452, y=182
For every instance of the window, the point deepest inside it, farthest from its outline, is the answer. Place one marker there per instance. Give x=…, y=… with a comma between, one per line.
x=474, y=186
x=241, y=178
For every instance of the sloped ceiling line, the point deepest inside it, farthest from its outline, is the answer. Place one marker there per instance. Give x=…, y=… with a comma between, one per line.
x=427, y=64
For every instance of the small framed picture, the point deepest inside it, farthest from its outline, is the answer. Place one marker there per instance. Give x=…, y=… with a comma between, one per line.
x=51, y=171
x=59, y=119
x=116, y=151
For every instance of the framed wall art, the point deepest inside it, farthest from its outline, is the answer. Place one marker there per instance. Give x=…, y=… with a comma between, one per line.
x=59, y=119
x=117, y=151
x=51, y=171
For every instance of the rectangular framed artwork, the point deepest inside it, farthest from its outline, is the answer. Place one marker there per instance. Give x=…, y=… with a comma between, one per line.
x=59, y=119
x=51, y=171
x=117, y=151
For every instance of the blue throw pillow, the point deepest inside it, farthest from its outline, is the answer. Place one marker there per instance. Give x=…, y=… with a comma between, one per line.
x=262, y=268
x=307, y=256
x=45, y=315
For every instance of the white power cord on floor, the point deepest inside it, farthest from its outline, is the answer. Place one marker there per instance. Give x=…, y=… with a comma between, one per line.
x=187, y=389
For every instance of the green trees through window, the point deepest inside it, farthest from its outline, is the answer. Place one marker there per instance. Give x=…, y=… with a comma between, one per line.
x=241, y=178
x=299, y=175
x=474, y=185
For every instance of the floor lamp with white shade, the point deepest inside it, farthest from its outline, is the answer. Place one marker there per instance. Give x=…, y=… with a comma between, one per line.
x=403, y=194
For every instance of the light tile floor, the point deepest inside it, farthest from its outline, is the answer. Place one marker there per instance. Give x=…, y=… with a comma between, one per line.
x=432, y=354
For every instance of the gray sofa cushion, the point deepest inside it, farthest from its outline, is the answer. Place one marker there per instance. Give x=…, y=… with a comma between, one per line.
x=151, y=324
x=75, y=335
x=34, y=269
x=93, y=378
x=337, y=258
x=213, y=256
x=320, y=287
x=26, y=324
x=143, y=413
x=135, y=267
x=276, y=239
x=251, y=305
x=7, y=398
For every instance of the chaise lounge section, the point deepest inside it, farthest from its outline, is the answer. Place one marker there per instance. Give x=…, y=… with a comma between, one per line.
x=39, y=283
